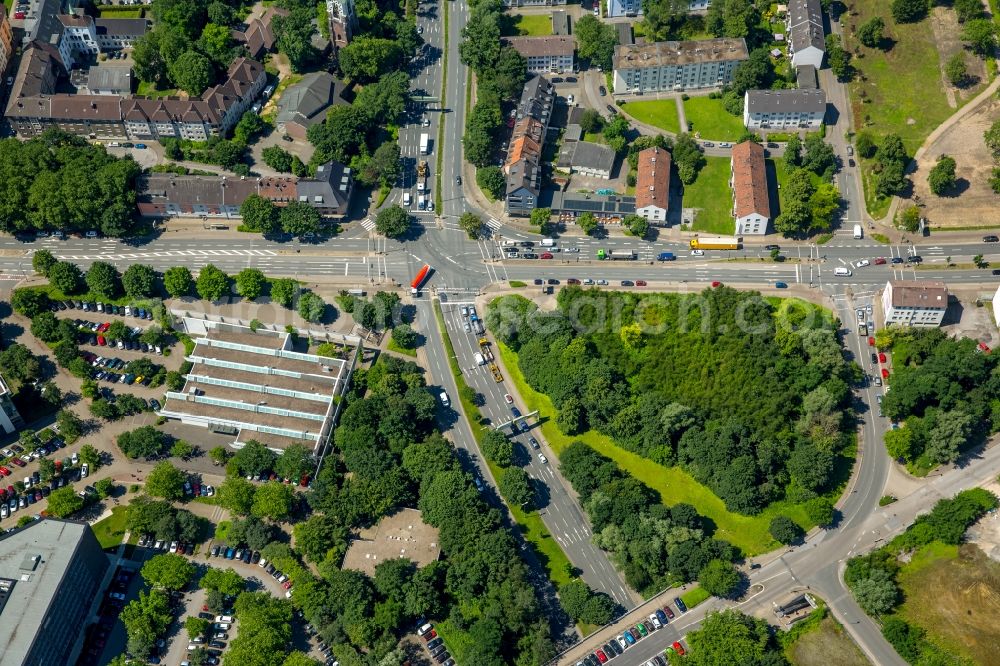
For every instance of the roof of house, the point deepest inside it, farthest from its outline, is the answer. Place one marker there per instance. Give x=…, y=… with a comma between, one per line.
x=573, y=132
x=122, y=27
x=36, y=76
x=919, y=294
x=625, y=34
x=75, y=20
x=800, y=100
x=537, y=99
x=306, y=101
x=652, y=186
x=524, y=173
x=750, y=180
x=550, y=45
x=258, y=33
x=187, y=191
x=109, y=78
x=663, y=54
x=330, y=188
x=560, y=22
x=43, y=22
x=805, y=25
x=587, y=155
x=805, y=77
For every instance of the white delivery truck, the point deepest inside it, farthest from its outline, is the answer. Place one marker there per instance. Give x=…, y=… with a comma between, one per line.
x=548, y=242
x=858, y=232
x=424, y=143
x=406, y=199
x=421, y=202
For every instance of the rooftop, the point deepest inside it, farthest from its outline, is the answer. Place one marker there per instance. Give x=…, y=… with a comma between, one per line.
x=110, y=78
x=750, y=180
x=805, y=25
x=799, y=100
x=551, y=45
x=403, y=534
x=919, y=294
x=587, y=155
x=664, y=54
x=652, y=187
x=805, y=77
x=306, y=101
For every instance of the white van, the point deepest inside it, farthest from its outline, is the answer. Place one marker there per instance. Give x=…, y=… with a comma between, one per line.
x=858, y=232
x=842, y=271
x=480, y=359
x=548, y=242
x=406, y=198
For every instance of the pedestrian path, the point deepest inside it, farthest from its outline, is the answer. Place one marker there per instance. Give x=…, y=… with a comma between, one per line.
x=368, y=223
x=108, y=255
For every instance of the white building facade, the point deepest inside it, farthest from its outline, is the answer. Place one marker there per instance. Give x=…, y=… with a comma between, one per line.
x=675, y=66
x=914, y=302
x=793, y=109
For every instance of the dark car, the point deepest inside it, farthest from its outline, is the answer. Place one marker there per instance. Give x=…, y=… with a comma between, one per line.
x=996, y=271
x=215, y=551
x=628, y=283
x=991, y=239
x=874, y=358
x=444, y=656
x=896, y=260
x=661, y=616
x=772, y=247
x=539, y=281
x=458, y=180
x=256, y=556
x=553, y=281
x=603, y=91
x=247, y=555
x=217, y=644
x=680, y=605
x=434, y=643
x=513, y=410
x=915, y=259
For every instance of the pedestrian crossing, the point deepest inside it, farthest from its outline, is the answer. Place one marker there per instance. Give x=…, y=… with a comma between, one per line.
x=494, y=224
x=111, y=256
x=368, y=223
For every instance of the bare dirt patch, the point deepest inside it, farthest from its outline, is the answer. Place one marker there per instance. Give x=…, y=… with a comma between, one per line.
x=974, y=203
x=947, y=37
x=956, y=599
x=827, y=641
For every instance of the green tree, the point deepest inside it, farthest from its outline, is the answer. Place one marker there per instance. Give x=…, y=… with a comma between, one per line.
x=273, y=500
x=182, y=449
x=45, y=326
x=219, y=455
x=908, y=11
x=294, y=37
x=491, y=181
x=595, y=41
x=636, y=225
x=724, y=634
x=294, y=462
x=588, y=223
x=299, y=218
x=392, y=222
x=178, y=281
x=236, y=494
x=942, y=176
x=197, y=626
x=384, y=165
x=166, y=481
x=793, y=151
x=168, y=571
x=64, y=502
x=515, y=486
x=497, y=447
x=719, y=578
x=591, y=122
x=688, y=157
x=871, y=32
x=839, y=58
x=90, y=455
x=404, y=336
x=981, y=36
x=283, y=291
x=540, y=217
x=949, y=436
x=367, y=58
x=472, y=225
x=583, y=604
x=322, y=537
x=311, y=306
x=250, y=283
x=66, y=277
x=212, y=283
x=105, y=487
x=104, y=280
x=250, y=126
x=877, y=593
x=192, y=72
x=820, y=510
x=909, y=220
x=956, y=70
x=784, y=530
x=46, y=469
x=29, y=302
x=259, y=213
x=227, y=581
x=42, y=261
x=139, y=281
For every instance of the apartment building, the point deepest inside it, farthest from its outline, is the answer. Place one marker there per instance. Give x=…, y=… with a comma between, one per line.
x=674, y=66
x=914, y=302
x=523, y=166
x=545, y=55
x=624, y=8
x=748, y=180
x=792, y=109
x=6, y=40
x=805, y=34
x=84, y=37
x=652, y=187
x=10, y=419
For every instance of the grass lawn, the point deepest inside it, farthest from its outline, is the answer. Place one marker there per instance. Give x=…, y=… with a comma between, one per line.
x=815, y=645
x=749, y=533
x=532, y=25
x=953, y=593
x=147, y=89
x=695, y=596
x=660, y=113
x=713, y=122
x=710, y=193
x=109, y=532
x=115, y=11
x=392, y=346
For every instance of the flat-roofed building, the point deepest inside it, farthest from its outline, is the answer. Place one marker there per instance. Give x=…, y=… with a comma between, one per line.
x=51, y=575
x=652, y=187
x=914, y=302
x=561, y=22
x=748, y=179
x=254, y=386
x=549, y=54
x=794, y=109
x=669, y=66
x=109, y=80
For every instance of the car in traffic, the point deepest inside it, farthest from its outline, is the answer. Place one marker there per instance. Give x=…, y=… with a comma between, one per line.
x=697, y=253
x=771, y=248
x=508, y=398
x=780, y=285
x=991, y=239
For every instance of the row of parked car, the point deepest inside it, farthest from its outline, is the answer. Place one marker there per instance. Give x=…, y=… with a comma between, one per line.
x=95, y=306
x=633, y=635
x=215, y=643
x=250, y=556
x=435, y=645
x=111, y=606
x=95, y=333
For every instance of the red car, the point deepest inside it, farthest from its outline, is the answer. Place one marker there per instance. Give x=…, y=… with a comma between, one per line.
x=678, y=648
x=881, y=357
x=104, y=327
x=572, y=281
x=17, y=461
x=19, y=15
x=640, y=283
x=885, y=373
x=546, y=255
x=879, y=261
x=287, y=584
x=716, y=283
x=670, y=613
x=4, y=471
x=871, y=342
x=430, y=635
x=983, y=347
x=101, y=341
x=601, y=657
x=304, y=481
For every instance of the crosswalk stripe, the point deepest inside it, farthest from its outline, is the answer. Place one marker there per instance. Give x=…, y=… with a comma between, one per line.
x=368, y=223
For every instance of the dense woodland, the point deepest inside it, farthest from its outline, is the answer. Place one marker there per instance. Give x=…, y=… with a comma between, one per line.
x=655, y=546
x=946, y=393
x=388, y=456
x=750, y=401
x=60, y=181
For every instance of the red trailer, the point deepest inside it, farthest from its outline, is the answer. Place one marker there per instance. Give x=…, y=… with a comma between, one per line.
x=420, y=279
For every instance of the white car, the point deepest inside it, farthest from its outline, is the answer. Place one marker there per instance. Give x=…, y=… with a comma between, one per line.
x=542, y=459
x=655, y=620
x=697, y=253
x=84, y=470
x=173, y=546
x=75, y=458
x=863, y=263
x=223, y=618
x=508, y=398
